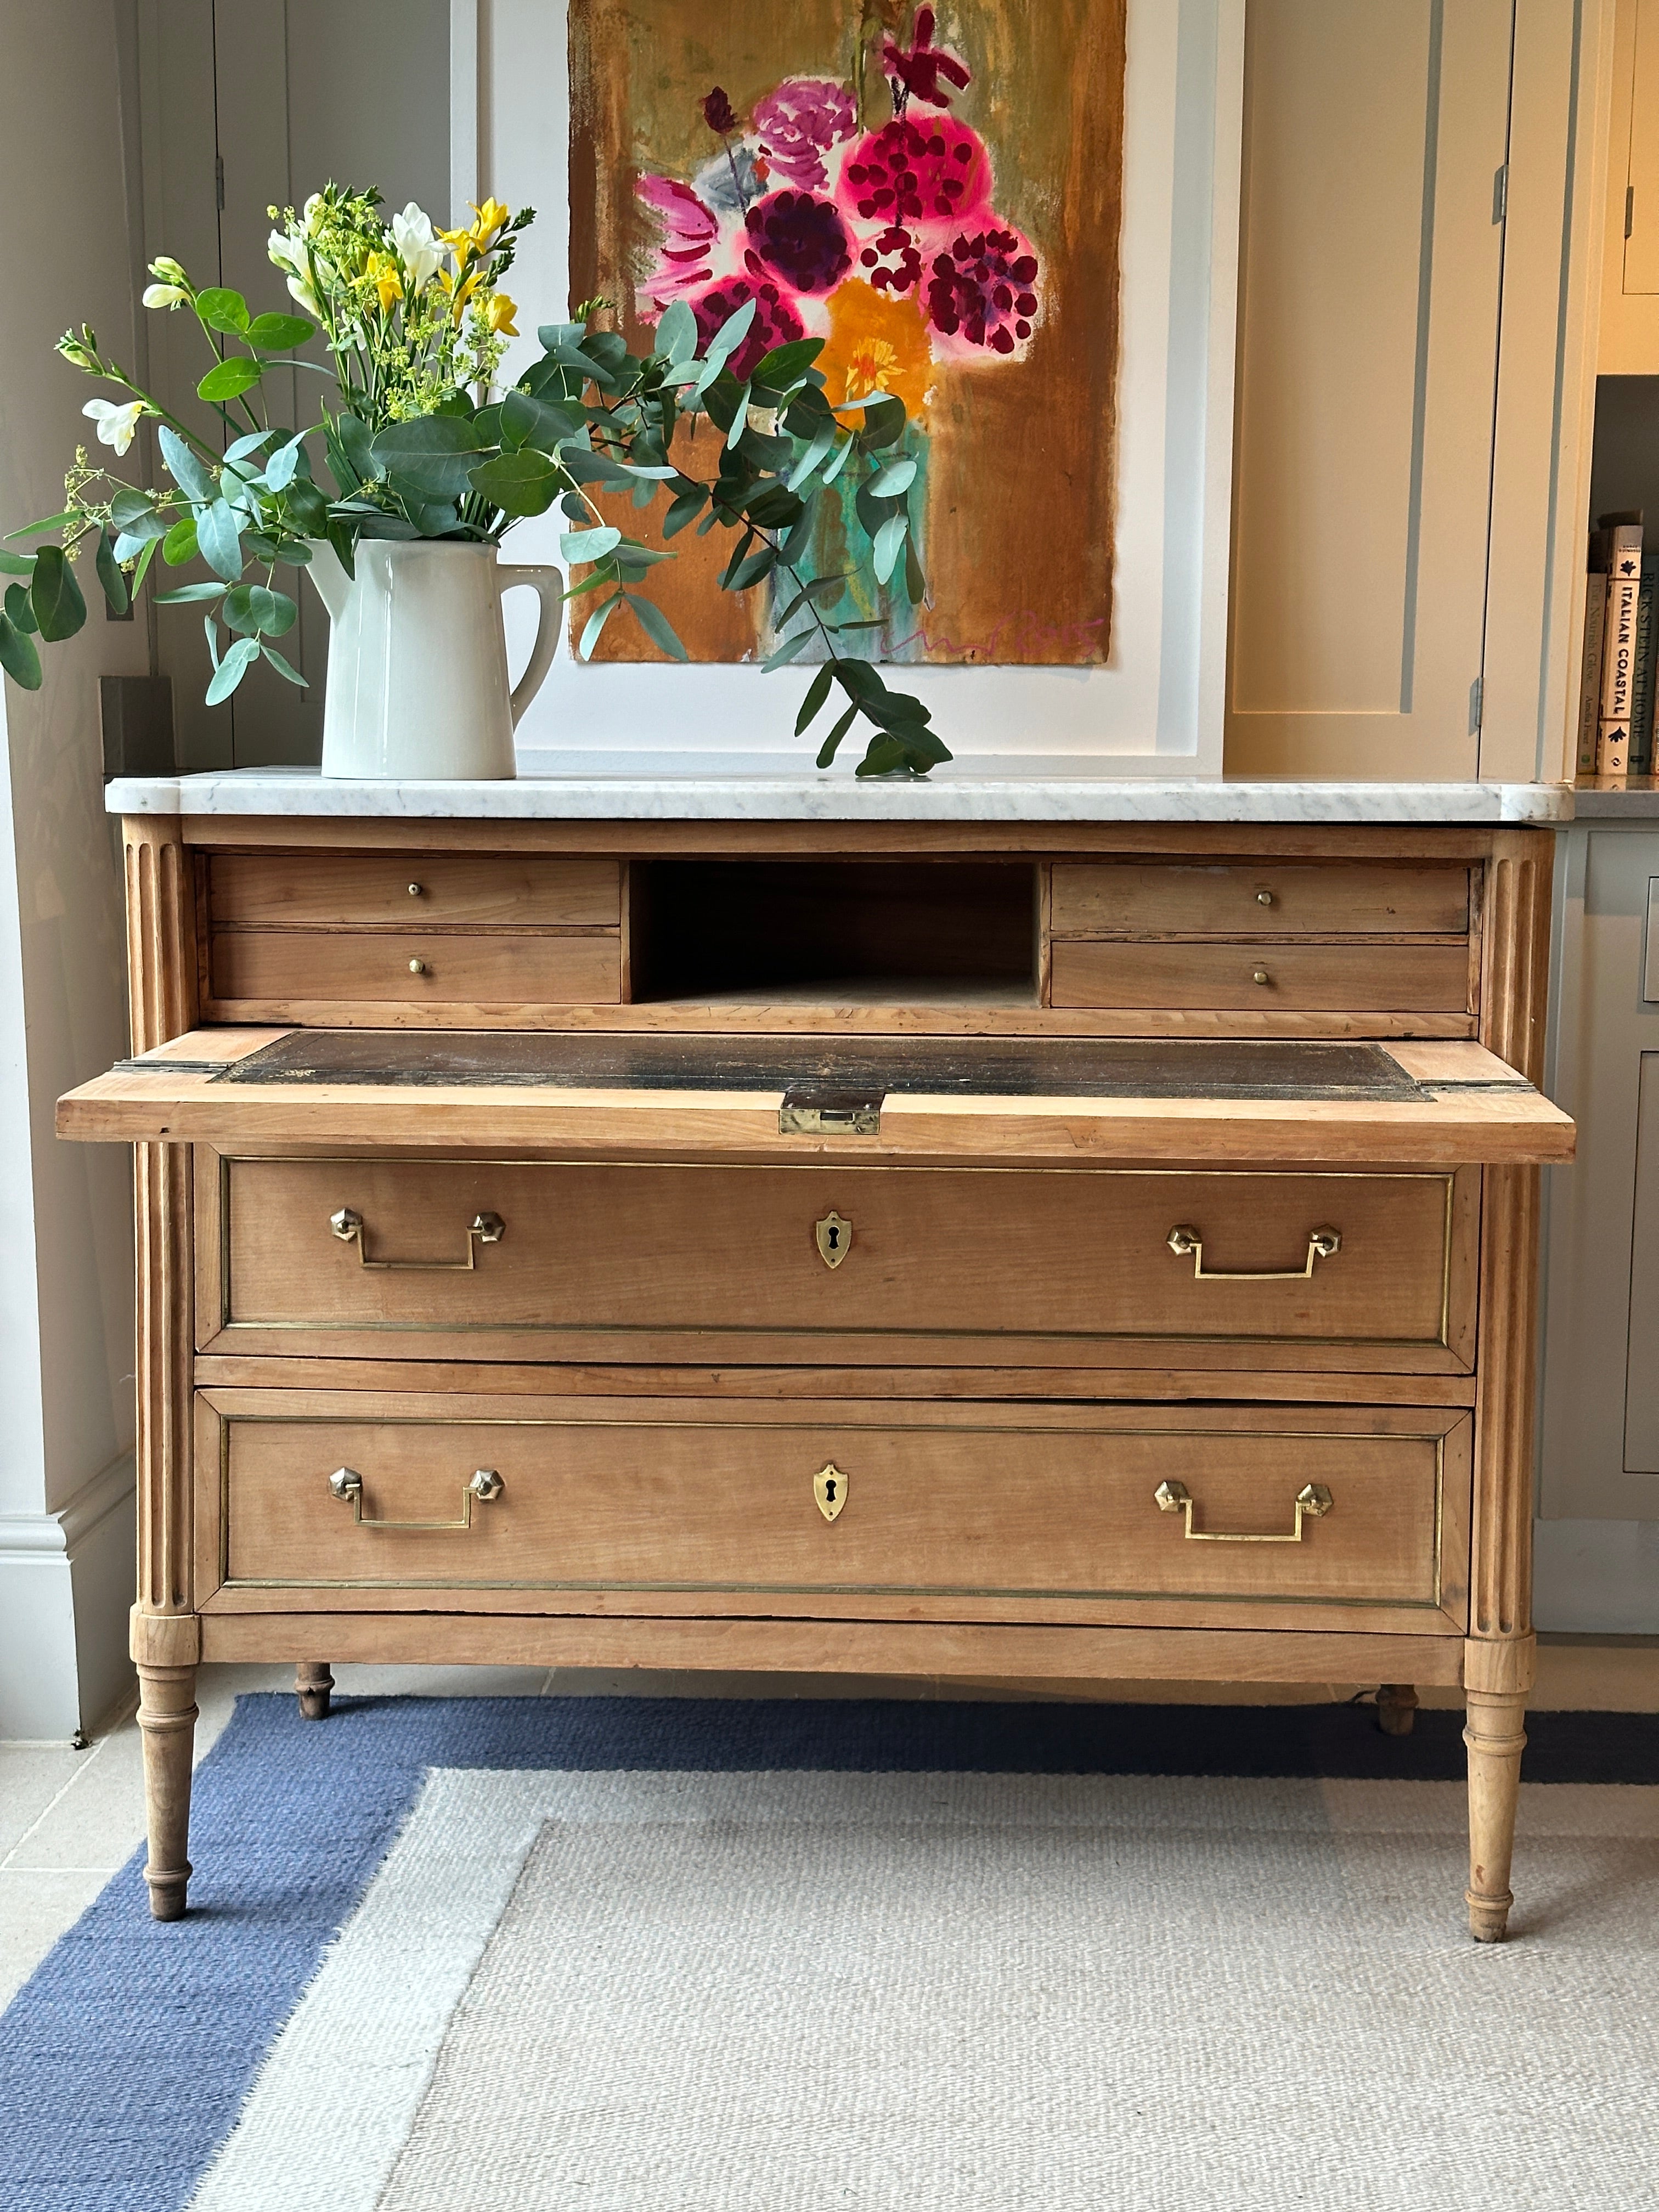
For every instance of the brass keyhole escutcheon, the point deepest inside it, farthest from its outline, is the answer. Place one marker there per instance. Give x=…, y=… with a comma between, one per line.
x=829, y=1489
x=834, y=1238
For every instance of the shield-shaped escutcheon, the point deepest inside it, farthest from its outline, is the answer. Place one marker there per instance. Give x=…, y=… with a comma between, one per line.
x=829, y=1488
x=834, y=1238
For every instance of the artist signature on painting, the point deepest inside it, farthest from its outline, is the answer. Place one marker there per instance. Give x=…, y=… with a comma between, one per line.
x=1022, y=639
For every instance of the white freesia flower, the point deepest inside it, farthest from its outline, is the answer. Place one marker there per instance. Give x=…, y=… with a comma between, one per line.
x=306, y=298
x=420, y=252
x=164, y=295
x=117, y=426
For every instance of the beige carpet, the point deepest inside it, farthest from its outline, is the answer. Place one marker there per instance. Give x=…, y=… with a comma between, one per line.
x=739, y=1993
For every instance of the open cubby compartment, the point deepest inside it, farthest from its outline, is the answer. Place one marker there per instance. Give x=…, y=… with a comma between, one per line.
x=872, y=933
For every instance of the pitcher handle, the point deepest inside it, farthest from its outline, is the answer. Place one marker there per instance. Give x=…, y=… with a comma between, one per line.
x=549, y=585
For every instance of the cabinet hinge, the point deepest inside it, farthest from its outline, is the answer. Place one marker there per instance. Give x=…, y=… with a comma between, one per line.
x=219, y=179
x=1476, y=690
x=1629, y=208
x=1500, y=193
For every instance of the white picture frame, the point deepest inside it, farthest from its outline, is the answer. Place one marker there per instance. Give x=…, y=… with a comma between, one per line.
x=1156, y=707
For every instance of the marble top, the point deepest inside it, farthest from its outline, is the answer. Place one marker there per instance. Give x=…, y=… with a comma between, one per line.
x=668, y=788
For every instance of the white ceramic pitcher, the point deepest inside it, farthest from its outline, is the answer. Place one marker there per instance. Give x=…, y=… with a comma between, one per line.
x=417, y=684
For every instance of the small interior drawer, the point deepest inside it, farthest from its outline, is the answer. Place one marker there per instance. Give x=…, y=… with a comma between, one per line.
x=819, y=1505
x=1266, y=899
x=1262, y=977
x=403, y=890
x=293, y=968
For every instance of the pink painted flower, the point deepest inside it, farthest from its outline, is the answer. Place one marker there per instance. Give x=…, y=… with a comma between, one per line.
x=774, y=325
x=799, y=123
x=982, y=290
x=798, y=239
x=685, y=256
x=918, y=173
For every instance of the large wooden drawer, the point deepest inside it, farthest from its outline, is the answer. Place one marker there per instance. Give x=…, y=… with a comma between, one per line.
x=886, y=1511
x=1262, y=977
x=399, y=890
x=283, y=968
x=499, y=1258
x=1262, y=899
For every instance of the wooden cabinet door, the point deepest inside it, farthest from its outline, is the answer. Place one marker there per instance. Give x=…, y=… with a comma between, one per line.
x=1371, y=259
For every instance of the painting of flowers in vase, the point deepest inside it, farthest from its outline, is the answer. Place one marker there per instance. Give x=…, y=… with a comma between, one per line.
x=933, y=192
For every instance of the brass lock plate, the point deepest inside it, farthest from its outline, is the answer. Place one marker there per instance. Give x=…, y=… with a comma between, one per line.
x=834, y=1237
x=829, y=1489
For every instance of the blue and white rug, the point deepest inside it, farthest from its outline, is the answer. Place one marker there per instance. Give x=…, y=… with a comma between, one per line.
x=627, y=1955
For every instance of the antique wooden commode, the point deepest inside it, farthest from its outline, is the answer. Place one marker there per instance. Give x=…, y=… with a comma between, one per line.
x=1029, y=1246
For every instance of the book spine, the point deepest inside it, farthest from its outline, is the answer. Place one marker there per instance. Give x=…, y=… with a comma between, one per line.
x=1590, y=682
x=1641, y=694
x=1619, y=658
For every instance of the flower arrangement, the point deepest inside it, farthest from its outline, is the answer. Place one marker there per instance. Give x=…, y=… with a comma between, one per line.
x=418, y=445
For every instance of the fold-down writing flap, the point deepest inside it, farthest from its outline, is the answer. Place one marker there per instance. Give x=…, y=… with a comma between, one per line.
x=988, y=1097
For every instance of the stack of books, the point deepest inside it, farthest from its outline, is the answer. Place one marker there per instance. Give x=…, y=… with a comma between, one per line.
x=1621, y=644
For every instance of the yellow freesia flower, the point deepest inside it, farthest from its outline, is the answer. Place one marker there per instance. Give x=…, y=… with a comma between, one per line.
x=460, y=293
x=381, y=272
x=475, y=236
x=498, y=311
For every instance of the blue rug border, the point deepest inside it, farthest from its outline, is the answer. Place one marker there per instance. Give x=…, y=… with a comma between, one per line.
x=113, y=2052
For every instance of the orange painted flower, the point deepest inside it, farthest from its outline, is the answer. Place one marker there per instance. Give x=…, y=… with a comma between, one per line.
x=875, y=344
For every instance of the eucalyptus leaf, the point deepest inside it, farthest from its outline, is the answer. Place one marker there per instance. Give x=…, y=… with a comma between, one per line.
x=283, y=667
x=595, y=625
x=676, y=332
x=809, y=460
x=731, y=334
x=525, y=482
x=232, y=669
x=46, y=522
x=110, y=576
x=589, y=544
x=16, y=564
x=18, y=655
x=787, y=650
x=656, y=625
x=255, y=607
x=897, y=476
x=187, y=594
x=229, y=381
x=890, y=543
x=739, y=416
x=842, y=454
x=783, y=366
x=682, y=509
x=280, y=468
x=191, y=473
x=251, y=441
x=218, y=538
x=816, y=692
x=18, y=607
x=55, y=596
x=431, y=457
x=827, y=749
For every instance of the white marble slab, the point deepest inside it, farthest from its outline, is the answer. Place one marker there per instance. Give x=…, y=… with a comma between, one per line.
x=679, y=787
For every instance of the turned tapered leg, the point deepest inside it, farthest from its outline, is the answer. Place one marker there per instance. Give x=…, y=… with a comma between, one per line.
x=166, y=1714
x=1496, y=1739
x=312, y=1682
x=1396, y=1708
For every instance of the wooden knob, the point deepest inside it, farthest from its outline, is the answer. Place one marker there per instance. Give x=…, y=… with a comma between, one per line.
x=418, y=968
x=1261, y=976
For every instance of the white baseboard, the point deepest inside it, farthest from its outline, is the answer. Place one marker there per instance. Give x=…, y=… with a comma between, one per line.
x=66, y=1583
x=1596, y=1577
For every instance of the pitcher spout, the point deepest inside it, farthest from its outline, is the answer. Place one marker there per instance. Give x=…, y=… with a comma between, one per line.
x=334, y=586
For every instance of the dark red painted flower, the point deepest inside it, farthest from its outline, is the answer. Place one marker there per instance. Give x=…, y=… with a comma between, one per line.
x=717, y=113
x=774, y=325
x=799, y=238
x=918, y=173
x=891, y=261
x=916, y=69
x=982, y=291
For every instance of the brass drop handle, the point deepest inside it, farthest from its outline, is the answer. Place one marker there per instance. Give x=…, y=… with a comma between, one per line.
x=1322, y=1244
x=347, y=1485
x=485, y=1229
x=1311, y=1502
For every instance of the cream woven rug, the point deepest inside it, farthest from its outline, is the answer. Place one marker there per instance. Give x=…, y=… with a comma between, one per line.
x=781, y=1992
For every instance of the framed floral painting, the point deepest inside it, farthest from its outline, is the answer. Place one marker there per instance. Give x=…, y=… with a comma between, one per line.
x=1020, y=216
